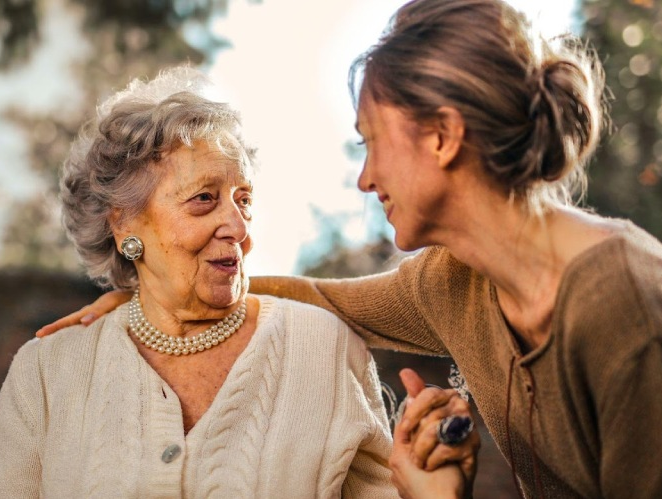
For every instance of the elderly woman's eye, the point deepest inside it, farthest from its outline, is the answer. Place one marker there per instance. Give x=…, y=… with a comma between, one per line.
x=246, y=201
x=205, y=197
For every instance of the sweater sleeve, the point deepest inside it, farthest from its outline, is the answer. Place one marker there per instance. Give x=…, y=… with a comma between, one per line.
x=629, y=424
x=368, y=475
x=21, y=426
x=613, y=314
x=383, y=308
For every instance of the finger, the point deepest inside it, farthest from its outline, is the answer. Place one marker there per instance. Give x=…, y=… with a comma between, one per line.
x=464, y=454
x=400, y=436
x=432, y=417
x=69, y=320
x=401, y=451
x=456, y=405
x=425, y=439
x=413, y=383
x=469, y=468
x=444, y=454
x=89, y=313
x=427, y=400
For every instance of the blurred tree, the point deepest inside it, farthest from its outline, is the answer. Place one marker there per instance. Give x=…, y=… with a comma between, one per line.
x=626, y=173
x=19, y=30
x=127, y=39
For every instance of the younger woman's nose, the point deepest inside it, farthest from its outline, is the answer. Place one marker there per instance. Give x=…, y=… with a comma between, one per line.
x=365, y=184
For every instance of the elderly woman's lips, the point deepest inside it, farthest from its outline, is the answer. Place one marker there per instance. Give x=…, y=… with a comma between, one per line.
x=226, y=264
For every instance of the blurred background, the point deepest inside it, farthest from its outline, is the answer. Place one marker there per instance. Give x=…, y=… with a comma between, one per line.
x=284, y=64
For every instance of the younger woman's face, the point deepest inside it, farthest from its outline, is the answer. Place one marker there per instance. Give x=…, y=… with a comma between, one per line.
x=401, y=167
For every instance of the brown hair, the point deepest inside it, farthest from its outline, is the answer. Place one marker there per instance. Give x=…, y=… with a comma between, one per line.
x=533, y=111
x=116, y=161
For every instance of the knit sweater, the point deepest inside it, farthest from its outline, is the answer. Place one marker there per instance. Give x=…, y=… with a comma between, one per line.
x=300, y=415
x=579, y=416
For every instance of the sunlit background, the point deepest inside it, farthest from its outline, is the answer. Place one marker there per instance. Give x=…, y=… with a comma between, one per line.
x=282, y=63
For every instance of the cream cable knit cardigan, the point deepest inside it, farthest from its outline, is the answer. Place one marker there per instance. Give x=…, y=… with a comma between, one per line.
x=299, y=416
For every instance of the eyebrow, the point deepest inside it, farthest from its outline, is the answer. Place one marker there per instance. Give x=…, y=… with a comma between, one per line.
x=210, y=180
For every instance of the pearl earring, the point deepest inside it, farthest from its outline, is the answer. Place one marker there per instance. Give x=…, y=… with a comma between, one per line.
x=132, y=248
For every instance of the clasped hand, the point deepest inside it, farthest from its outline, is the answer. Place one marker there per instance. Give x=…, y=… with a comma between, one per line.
x=421, y=466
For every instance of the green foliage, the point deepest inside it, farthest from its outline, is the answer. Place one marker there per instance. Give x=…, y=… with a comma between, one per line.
x=626, y=173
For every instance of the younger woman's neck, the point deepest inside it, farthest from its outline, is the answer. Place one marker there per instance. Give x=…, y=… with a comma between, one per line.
x=525, y=256
x=520, y=253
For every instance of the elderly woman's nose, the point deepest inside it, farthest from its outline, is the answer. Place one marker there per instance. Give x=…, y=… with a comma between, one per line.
x=232, y=224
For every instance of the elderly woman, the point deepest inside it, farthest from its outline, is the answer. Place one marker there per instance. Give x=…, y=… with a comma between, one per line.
x=193, y=388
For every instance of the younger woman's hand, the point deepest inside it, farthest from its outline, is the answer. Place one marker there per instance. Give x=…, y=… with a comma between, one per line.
x=89, y=313
x=426, y=407
x=446, y=482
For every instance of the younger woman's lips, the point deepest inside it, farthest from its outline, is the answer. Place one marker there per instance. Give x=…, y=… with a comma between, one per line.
x=388, y=208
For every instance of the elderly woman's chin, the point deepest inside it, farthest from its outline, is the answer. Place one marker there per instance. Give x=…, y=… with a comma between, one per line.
x=218, y=294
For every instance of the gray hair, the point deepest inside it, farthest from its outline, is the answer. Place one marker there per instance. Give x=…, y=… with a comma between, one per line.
x=113, y=162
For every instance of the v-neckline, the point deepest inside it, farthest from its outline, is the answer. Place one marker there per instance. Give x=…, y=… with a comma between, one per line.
x=562, y=290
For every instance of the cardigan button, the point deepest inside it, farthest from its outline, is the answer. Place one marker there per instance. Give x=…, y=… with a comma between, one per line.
x=171, y=453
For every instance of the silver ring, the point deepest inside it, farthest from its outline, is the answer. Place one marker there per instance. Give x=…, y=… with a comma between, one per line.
x=454, y=430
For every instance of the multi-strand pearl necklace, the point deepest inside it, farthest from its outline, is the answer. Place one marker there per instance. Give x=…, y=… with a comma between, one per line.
x=151, y=337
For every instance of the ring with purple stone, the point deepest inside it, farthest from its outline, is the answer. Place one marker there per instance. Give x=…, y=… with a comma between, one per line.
x=454, y=430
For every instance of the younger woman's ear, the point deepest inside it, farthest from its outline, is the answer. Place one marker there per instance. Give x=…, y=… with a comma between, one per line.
x=450, y=135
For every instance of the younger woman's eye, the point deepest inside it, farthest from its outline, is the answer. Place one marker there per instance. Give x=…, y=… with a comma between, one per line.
x=361, y=142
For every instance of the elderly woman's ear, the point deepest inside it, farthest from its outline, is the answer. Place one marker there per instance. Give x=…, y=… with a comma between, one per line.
x=118, y=227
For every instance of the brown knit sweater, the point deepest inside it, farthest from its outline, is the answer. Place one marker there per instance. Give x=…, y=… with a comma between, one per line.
x=580, y=416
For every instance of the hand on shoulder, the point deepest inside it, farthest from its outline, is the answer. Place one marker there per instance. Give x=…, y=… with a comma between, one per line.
x=89, y=313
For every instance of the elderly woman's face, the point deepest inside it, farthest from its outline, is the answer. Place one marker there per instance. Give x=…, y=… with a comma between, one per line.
x=196, y=230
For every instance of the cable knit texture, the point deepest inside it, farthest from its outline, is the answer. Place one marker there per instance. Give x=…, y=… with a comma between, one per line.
x=299, y=416
x=583, y=415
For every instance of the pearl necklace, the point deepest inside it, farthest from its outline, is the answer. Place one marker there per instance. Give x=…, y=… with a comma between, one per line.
x=151, y=337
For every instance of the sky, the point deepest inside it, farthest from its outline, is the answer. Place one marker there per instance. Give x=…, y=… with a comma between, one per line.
x=287, y=74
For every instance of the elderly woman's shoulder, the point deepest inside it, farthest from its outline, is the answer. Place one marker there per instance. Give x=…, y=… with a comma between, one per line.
x=295, y=310
x=73, y=336
x=66, y=345
x=314, y=336
x=309, y=319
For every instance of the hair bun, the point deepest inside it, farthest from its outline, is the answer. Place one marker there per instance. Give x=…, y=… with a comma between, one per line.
x=565, y=114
